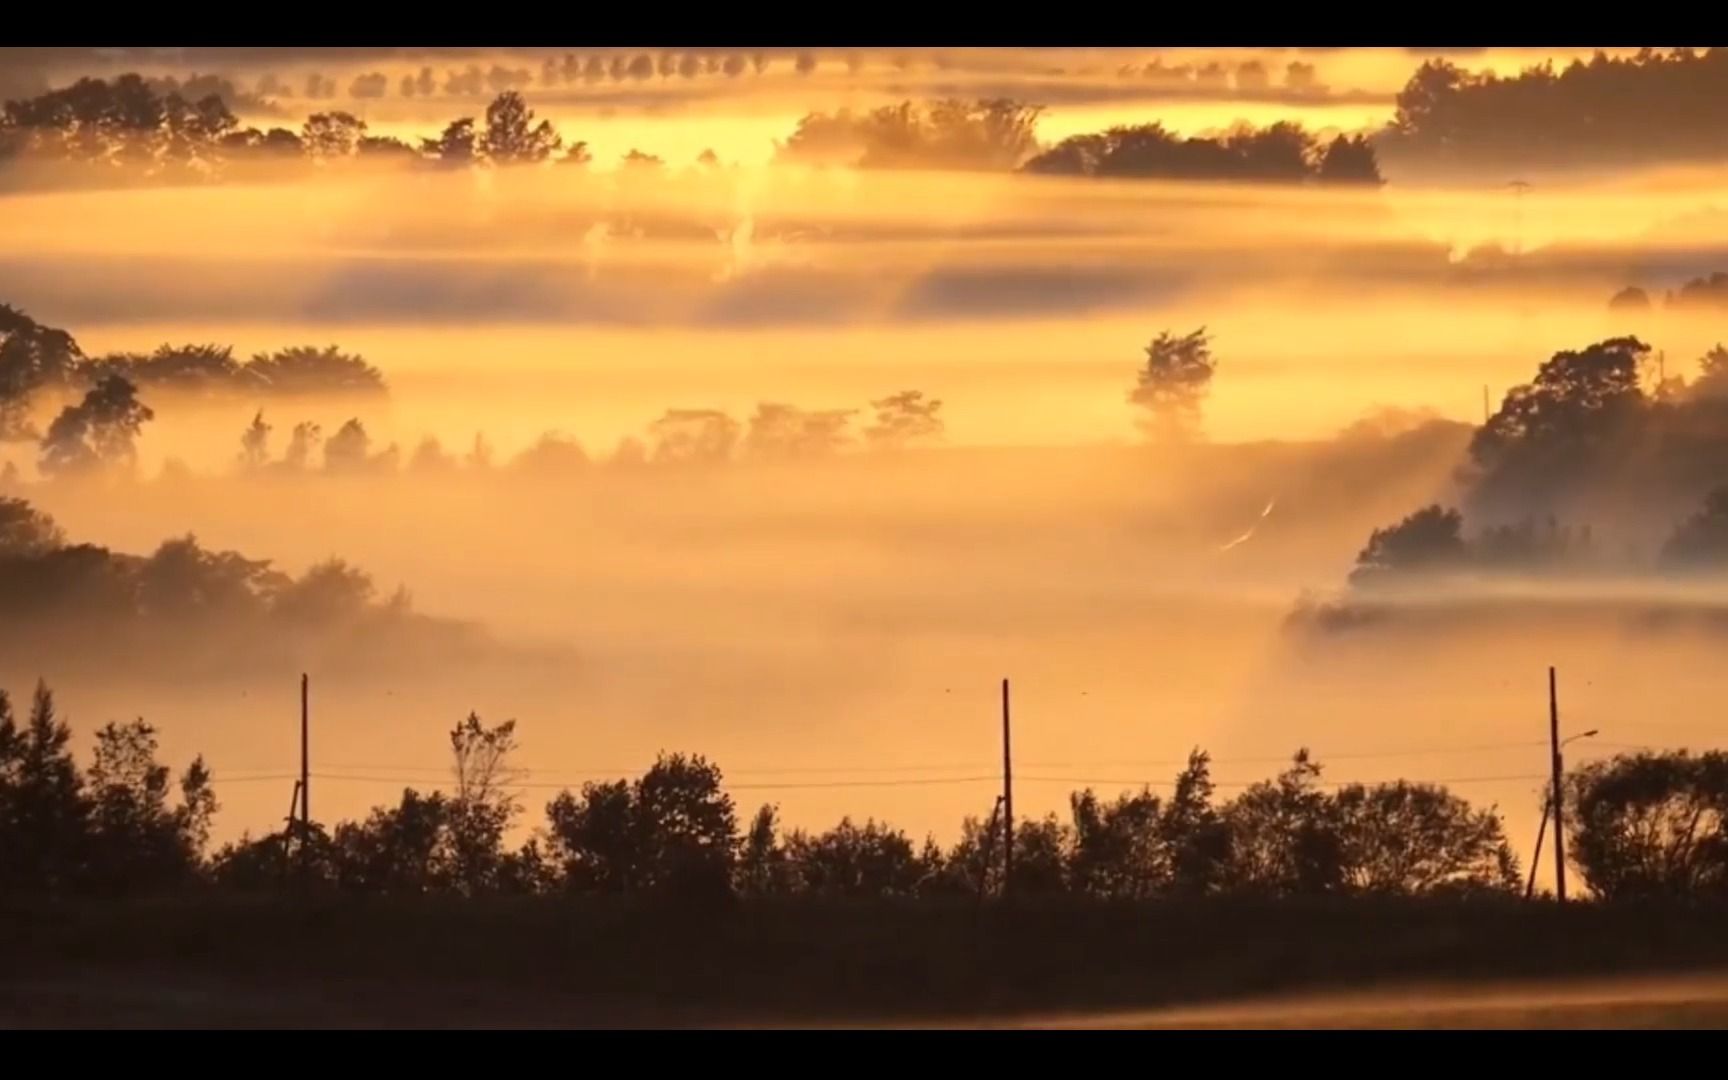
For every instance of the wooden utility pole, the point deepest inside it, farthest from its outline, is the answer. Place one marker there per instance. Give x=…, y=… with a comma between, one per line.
x=1007, y=799
x=305, y=762
x=1536, y=857
x=989, y=848
x=1559, y=797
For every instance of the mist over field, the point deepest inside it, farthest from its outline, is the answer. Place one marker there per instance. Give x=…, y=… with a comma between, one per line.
x=829, y=620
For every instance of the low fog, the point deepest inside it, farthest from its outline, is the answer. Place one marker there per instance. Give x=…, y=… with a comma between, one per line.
x=831, y=628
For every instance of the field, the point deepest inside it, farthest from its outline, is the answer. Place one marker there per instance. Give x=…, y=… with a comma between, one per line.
x=540, y=963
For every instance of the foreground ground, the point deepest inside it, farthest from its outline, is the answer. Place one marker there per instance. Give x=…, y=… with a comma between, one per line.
x=553, y=963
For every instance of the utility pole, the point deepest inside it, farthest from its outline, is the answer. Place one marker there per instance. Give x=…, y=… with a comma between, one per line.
x=1559, y=797
x=1536, y=857
x=305, y=764
x=989, y=848
x=1007, y=799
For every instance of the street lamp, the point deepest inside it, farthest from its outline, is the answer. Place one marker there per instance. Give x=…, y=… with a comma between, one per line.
x=1547, y=809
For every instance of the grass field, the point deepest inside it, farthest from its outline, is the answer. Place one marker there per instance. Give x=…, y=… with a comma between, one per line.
x=549, y=963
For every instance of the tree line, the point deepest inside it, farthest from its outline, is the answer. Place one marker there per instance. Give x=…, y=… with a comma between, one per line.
x=1653, y=106
x=1283, y=152
x=1001, y=134
x=133, y=128
x=185, y=603
x=774, y=432
x=97, y=433
x=1645, y=825
x=1445, y=115
x=1705, y=292
x=40, y=362
x=1596, y=426
x=125, y=130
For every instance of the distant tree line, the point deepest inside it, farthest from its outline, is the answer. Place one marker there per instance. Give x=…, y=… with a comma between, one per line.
x=1707, y=293
x=53, y=589
x=1281, y=153
x=1653, y=106
x=680, y=437
x=40, y=362
x=568, y=70
x=1247, y=76
x=995, y=134
x=125, y=131
x=138, y=128
x=1595, y=426
x=1000, y=134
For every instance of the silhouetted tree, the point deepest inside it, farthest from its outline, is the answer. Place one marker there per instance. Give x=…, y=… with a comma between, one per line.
x=304, y=439
x=332, y=135
x=349, y=450
x=1549, y=433
x=873, y=860
x=1429, y=541
x=431, y=457
x=1284, y=838
x=482, y=809
x=255, y=444
x=1701, y=541
x=182, y=580
x=1173, y=384
x=190, y=369
x=308, y=370
x=1702, y=292
x=136, y=842
x=693, y=435
x=1402, y=838
x=1349, y=161
x=687, y=828
x=385, y=148
x=96, y=433
x=372, y=84
x=762, y=869
x=672, y=832
x=1601, y=110
x=786, y=432
x=904, y=419
x=330, y=592
x=1648, y=825
x=512, y=137
x=26, y=532
x=1280, y=153
x=43, y=813
x=593, y=840
x=33, y=357
x=947, y=134
x=553, y=454
x=455, y=146
x=400, y=850
x=1631, y=298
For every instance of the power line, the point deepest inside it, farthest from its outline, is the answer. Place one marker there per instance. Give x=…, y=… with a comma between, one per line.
x=330, y=770
x=1251, y=783
x=925, y=781
x=902, y=782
